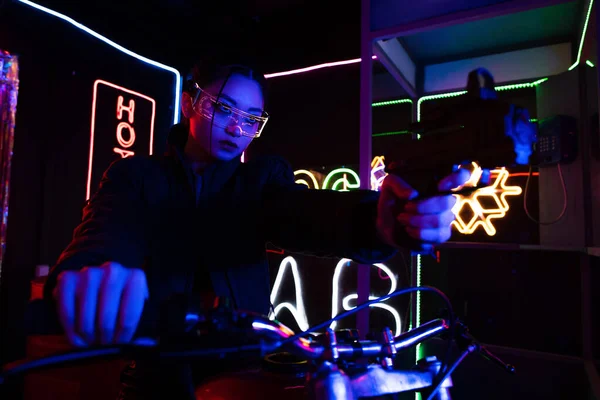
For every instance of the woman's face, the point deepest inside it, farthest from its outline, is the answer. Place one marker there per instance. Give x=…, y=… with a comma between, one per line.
x=224, y=141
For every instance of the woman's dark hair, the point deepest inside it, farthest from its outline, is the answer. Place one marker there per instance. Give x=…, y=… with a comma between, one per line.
x=210, y=70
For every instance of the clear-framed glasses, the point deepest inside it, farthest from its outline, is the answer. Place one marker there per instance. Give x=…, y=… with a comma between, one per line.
x=228, y=117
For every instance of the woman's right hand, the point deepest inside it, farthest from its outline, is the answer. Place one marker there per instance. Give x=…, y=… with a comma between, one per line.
x=101, y=305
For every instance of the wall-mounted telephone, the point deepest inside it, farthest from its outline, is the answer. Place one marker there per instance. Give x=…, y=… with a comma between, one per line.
x=556, y=140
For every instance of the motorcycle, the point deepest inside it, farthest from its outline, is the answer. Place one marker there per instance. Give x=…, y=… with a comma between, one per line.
x=317, y=364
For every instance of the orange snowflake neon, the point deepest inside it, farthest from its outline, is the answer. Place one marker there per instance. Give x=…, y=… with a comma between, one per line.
x=483, y=214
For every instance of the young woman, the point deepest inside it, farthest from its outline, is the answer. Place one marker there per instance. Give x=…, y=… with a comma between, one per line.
x=196, y=220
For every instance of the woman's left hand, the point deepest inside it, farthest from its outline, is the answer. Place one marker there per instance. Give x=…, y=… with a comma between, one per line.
x=428, y=221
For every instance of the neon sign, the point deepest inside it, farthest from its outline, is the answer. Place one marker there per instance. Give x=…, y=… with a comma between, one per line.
x=341, y=184
x=315, y=67
x=119, y=133
x=298, y=310
x=310, y=178
x=341, y=179
x=344, y=263
x=378, y=173
x=125, y=143
x=345, y=179
x=481, y=215
x=78, y=25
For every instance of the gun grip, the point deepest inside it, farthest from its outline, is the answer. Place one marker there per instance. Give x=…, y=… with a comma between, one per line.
x=424, y=181
x=406, y=241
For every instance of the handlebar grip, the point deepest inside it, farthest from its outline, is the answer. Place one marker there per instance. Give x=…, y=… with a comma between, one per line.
x=41, y=318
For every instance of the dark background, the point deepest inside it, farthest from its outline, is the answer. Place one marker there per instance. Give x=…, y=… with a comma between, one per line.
x=508, y=298
x=314, y=124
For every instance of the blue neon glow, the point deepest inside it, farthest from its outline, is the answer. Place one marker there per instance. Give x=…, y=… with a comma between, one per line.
x=178, y=81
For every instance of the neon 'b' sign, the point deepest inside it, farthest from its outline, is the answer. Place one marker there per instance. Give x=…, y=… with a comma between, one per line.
x=122, y=126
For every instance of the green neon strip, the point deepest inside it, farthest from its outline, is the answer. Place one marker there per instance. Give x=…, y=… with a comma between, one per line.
x=585, y=25
x=460, y=93
x=591, y=64
x=391, y=102
x=521, y=85
x=418, y=316
x=391, y=133
x=418, y=270
x=436, y=96
x=418, y=307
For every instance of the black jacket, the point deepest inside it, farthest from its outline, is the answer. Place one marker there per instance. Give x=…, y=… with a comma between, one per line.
x=145, y=215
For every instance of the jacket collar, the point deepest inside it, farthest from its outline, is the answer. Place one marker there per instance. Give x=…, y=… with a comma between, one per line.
x=215, y=175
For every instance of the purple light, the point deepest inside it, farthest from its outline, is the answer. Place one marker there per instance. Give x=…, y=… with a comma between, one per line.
x=261, y=326
x=315, y=67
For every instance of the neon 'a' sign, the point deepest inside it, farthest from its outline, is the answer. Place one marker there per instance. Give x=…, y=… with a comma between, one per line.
x=288, y=269
x=122, y=125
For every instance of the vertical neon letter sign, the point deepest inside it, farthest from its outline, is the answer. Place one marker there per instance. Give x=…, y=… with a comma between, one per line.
x=111, y=138
x=125, y=143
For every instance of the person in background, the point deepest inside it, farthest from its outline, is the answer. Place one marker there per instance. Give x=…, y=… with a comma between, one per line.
x=517, y=125
x=196, y=220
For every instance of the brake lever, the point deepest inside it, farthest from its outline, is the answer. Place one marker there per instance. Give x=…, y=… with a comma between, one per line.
x=488, y=355
x=464, y=339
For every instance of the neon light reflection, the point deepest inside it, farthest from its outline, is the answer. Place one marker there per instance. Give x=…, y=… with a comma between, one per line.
x=178, y=81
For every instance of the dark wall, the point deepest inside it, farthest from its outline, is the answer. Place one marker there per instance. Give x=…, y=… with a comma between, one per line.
x=314, y=118
x=387, y=119
x=392, y=118
x=315, y=122
x=58, y=67
x=522, y=299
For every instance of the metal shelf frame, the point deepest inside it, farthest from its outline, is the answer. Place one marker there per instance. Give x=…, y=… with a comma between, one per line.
x=370, y=47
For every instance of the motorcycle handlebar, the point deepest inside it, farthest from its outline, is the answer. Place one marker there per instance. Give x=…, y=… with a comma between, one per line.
x=279, y=338
x=43, y=320
x=349, y=351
